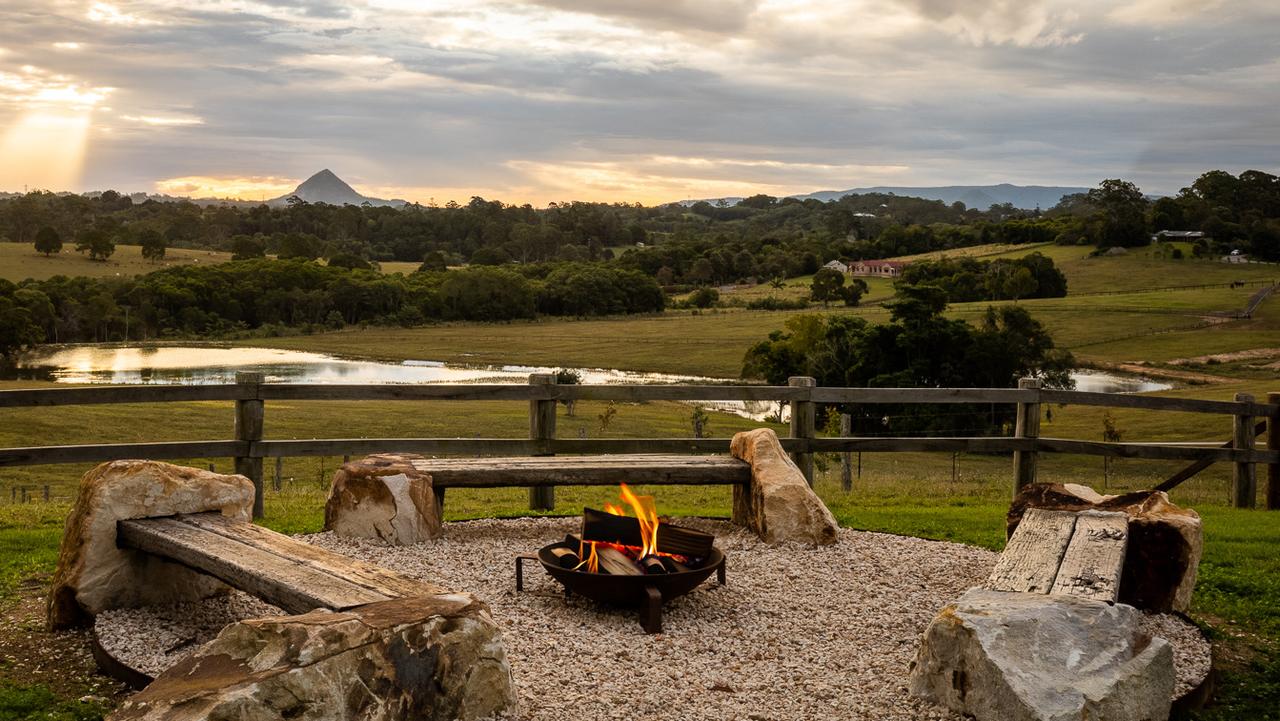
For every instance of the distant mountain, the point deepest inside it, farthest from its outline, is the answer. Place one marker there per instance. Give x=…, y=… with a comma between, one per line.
x=973, y=196
x=325, y=187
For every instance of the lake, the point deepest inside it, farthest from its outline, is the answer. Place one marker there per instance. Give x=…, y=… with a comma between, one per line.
x=195, y=365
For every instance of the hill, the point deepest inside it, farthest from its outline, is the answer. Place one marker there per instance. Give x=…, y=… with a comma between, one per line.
x=981, y=197
x=325, y=187
x=973, y=196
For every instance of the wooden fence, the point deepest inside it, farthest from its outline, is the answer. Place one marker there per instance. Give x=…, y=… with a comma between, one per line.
x=250, y=394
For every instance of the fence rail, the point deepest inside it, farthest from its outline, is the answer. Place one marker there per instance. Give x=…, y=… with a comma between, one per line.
x=250, y=396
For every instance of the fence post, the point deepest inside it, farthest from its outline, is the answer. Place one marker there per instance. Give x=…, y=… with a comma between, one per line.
x=277, y=483
x=846, y=460
x=803, y=424
x=1244, y=479
x=1273, y=445
x=542, y=427
x=249, y=412
x=1027, y=426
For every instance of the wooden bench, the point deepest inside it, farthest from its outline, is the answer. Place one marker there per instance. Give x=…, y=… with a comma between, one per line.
x=610, y=470
x=280, y=570
x=635, y=469
x=1061, y=552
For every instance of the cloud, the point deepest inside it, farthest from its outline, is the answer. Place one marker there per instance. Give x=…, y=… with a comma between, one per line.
x=549, y=99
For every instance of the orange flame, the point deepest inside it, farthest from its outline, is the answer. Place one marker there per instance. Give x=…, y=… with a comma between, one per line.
x=647, y=513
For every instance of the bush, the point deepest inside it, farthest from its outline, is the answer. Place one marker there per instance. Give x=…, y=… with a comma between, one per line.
x=772, y=303
x=704, y=297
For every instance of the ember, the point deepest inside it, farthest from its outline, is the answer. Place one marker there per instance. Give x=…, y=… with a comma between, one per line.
x=630, y=560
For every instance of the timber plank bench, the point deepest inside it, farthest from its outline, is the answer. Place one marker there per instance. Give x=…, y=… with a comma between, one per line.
x=280, y=570
x=601, y=470
x=1064, y=553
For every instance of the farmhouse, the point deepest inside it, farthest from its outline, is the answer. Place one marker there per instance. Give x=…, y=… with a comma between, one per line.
x=878, y=268
x=837, y=266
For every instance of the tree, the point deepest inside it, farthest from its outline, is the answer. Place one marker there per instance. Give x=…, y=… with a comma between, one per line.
x=1123, y=213
x=1019, y=284
x=48, y=241
x=568, y=377
x=97, y=242
x=18, y=330
x=704, y=297
x=247, y=247
x=853, y=292
x=153, y=244
x=433, y=261
x=827, y=285
x=349, y=261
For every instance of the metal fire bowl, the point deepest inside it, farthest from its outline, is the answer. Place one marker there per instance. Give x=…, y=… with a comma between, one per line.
x=647, y=591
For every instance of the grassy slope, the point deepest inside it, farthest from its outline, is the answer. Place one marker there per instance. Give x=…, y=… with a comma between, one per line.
x=19, y=261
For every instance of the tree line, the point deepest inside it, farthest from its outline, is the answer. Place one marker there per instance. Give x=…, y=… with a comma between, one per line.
x=288, y=296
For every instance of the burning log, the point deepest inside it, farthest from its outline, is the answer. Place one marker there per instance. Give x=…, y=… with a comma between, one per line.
x=625, y=531
x=672, y=565
x=567, y=558
x=616, y=562
x=653, y=564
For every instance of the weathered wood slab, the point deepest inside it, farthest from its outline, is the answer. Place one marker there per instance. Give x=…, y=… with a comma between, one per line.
x=284, y=572
x=1031, y=559
x=1092, y=564
x=637, y=469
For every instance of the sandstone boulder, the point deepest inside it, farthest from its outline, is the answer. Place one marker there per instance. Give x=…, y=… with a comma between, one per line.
x=779, y=505
x=1165, y=540
x=385, y=498
x=1002, y=656
x=93, y=575
x=428, y=658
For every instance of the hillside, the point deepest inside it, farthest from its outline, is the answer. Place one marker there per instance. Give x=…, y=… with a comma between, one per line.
x=1028, y=197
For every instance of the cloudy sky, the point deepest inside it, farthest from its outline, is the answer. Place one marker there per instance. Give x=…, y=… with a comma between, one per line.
x=636, y=100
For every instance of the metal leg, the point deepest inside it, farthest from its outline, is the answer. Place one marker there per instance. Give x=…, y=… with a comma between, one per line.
x=520, y=559
x=651, y=612
x=720, y=573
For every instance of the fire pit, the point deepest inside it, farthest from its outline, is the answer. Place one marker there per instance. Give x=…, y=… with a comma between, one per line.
x=630, y=562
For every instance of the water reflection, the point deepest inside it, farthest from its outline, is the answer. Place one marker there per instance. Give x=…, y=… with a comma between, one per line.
x=188, y=365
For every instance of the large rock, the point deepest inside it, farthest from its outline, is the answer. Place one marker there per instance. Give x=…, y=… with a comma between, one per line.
x=385, y=498
x=1165, y=540
x=779, y=505
x=94, y=575
x=1001, y=656
x=426, y=658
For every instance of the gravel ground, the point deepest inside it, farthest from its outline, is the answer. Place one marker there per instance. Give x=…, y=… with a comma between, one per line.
x=797, y=633
x=1191, y=651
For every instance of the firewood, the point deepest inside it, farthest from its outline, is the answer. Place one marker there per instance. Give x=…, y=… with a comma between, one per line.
x=653, y=564
x=565, y=557
x=616, y=562
x=672, y=565
x=625, y=531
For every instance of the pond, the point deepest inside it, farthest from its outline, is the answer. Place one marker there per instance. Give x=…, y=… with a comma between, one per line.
x=194, y=365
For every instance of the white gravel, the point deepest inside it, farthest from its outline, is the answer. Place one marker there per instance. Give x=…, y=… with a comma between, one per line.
x=798, y=632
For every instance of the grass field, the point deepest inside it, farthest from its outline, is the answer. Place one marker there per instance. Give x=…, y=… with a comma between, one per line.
x=961, y=498
x=19, y=261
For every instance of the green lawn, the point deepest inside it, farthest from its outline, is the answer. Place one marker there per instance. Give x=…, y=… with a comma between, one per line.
x=19, y=261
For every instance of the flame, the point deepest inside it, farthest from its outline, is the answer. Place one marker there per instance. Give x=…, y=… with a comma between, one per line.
x=647, y=513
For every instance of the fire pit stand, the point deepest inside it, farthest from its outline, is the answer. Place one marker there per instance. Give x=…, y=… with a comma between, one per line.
x=648, y=592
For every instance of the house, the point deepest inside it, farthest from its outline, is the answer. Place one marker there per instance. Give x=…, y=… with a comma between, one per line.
x=837, y=266
x=1177, y=235
x=879, y=268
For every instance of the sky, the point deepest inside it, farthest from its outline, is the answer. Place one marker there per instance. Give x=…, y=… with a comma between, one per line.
x=631, y=100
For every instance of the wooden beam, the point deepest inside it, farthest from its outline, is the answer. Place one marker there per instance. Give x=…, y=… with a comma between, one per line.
x=1094, y=559
x=803, y=424
x=584, y=470
x=1244, y=479
x=38, y=455
x=542, y=431
x=248, y=428
x=1027, y=426
x=1190, y=471
x=1273, y=444
x=923, y=395
x=1029, y=563
x=1155, y=403
x=274, y=579
x=95, y=395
